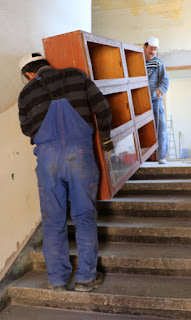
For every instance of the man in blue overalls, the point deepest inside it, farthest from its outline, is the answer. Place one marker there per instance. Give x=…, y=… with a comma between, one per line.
x=55, y=112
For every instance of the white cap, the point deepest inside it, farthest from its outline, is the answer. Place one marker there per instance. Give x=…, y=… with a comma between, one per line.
x=30, y=57
x=153, y=42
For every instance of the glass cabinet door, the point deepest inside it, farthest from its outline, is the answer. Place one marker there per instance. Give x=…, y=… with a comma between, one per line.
x=121, y=160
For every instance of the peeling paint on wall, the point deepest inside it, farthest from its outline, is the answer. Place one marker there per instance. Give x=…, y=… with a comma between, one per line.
x=166, y=8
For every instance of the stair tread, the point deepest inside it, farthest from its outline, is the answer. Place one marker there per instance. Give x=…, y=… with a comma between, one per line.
x=128, y=285
x=16, y=312
x=160, y=186
x=150, y=198
x=170, y=165
x=144, y=222
x=160, y=181
x=138, y=251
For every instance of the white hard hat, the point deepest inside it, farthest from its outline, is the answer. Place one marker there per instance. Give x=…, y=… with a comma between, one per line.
x=153, y=42
x=29, y=57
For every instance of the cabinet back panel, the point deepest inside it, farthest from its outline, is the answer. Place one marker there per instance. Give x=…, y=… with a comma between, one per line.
x=106, y=61
x=141, y=100
x=120, y=110
x=135, y=63
x=147, y=136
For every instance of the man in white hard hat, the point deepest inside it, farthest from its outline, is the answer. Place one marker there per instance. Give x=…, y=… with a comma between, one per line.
x=55, y=112
x=158, y=83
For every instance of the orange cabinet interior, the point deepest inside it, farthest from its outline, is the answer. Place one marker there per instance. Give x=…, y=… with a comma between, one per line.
x=135, y=63
x=120, y=109
x=141, y=100
x=106, y=61
x=147, y=136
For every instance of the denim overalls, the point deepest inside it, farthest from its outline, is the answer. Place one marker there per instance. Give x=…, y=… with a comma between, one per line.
x=161, y=126
x=66, y=169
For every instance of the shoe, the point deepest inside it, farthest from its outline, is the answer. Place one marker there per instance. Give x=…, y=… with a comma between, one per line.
x=56, y=288
x=162, y=161
x=86, y=287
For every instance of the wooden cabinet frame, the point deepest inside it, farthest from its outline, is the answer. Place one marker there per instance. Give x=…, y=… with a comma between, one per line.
x=119, y=71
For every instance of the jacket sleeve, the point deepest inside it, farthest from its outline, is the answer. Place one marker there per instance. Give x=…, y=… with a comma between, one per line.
x=99, y=104
x=25, y=122
x=163, y=79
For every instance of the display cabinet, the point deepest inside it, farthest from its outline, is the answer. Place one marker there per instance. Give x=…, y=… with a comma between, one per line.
x=119, y=71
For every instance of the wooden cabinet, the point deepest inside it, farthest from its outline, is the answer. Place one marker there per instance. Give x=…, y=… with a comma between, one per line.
x=119, y=70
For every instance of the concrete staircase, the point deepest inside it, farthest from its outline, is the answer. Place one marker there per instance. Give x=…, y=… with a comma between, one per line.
x=145, y=254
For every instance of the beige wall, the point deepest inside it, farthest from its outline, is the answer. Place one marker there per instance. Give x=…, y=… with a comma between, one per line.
x=133, y=21
x=23, y=25
x=20, y=212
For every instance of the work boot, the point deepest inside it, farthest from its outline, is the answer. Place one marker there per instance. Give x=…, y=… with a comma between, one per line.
x=86, y=287
x=56, y=288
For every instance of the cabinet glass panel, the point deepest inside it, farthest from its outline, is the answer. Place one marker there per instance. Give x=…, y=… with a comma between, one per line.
x=119, y=105
x=106, y=61
x=141, y=100
x=135, y=63
x=121, y=160
x=147, y=136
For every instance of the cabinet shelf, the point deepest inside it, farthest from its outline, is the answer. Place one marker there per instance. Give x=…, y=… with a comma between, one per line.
x=141, y=118
x=119, y=71
x=101, y=84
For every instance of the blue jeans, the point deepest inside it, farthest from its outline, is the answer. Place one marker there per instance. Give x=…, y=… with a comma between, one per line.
x=161, y=128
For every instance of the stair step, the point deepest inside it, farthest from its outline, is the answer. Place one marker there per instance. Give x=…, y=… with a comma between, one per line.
x=152, y=170
x=156, y=187
x=142, y=229
x=146, y=205
x=15, y=312
x=145, y=294
x=134, y=258
x=112, y=257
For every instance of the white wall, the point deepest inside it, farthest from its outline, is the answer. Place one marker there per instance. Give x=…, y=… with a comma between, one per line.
x=23, y=24
x=178, y=101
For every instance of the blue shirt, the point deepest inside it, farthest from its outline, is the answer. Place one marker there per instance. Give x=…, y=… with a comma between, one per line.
x=158, y=78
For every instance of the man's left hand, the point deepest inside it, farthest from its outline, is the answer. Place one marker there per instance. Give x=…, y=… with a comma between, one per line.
x=107, y=145
x=159, y=93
